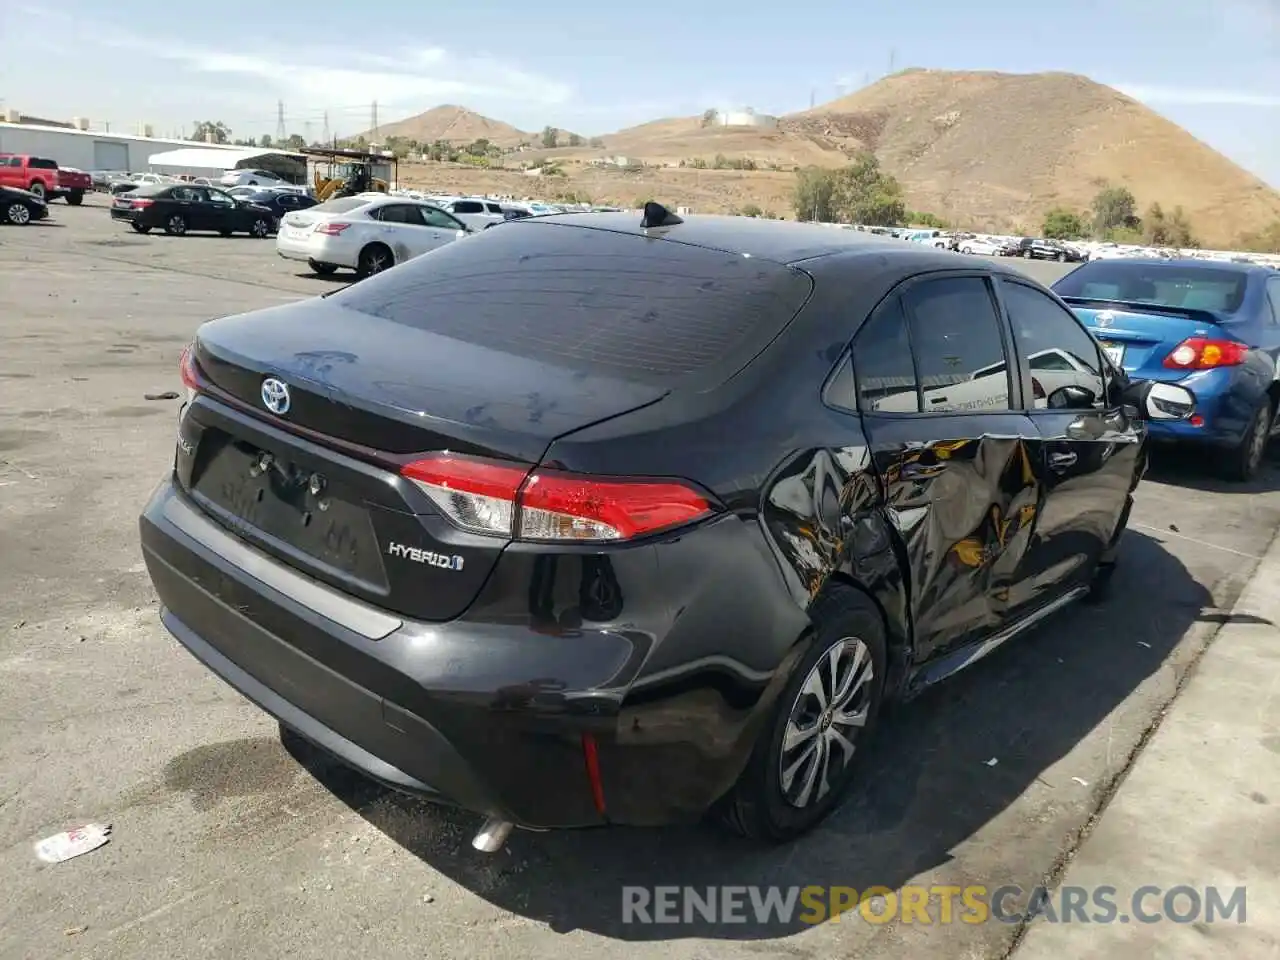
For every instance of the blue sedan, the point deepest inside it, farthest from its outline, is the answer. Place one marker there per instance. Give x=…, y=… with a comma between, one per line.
x=1212, y=327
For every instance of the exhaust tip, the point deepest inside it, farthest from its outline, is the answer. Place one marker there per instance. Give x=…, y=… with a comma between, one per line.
x=492, y=836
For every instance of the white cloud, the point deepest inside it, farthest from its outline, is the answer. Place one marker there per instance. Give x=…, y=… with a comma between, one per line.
x=413, y=77
x=1198, y=96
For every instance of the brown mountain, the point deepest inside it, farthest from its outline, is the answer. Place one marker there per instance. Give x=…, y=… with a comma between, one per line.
x=991, y=150
x=992, y=147
x=454, y=125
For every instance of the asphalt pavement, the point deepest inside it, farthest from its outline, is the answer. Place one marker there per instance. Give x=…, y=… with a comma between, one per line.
x=224, y=845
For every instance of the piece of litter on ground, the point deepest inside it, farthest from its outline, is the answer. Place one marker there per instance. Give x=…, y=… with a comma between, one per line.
x=428, y=898
x=73, y=843
x=992, y=762
x=1083, y=783
x=167, y=395
x=1143, y=643
x=74, y=931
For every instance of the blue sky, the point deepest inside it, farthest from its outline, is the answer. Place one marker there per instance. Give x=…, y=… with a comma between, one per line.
x=593, y=66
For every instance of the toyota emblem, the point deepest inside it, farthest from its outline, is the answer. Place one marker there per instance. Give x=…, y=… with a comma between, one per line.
x=1105, y=318
x=275, y=396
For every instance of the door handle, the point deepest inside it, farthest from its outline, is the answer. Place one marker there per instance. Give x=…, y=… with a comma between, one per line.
x=1061, y=461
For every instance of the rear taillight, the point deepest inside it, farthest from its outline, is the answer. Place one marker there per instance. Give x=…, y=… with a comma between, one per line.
x=187, y=368
x=509, y=500
x=331, y=229
x=1201, y=353
x=140, y=204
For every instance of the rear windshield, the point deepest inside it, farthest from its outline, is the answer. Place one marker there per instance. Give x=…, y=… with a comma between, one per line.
x=341, y=205
x=591, y=300
x=1191, y=286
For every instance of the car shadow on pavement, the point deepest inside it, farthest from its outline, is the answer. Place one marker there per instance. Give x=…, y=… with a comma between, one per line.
x=929, y=784
x=1194, y=470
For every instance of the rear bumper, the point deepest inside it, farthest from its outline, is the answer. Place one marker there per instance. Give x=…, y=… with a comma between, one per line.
x=319, y=249
x=488, y=714
x=129, y=216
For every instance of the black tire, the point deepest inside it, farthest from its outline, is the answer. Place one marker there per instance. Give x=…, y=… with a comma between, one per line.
x=1061, y=258
x=75, y=198
x=140, y=228
x=1027, y=254
x=176, y=225
x=18, y=214
x=224, y=233
x=260, y=228
x=375, y=258
x=323, y=269
x=758, y=807
x=38, y=189
x=1244, y=461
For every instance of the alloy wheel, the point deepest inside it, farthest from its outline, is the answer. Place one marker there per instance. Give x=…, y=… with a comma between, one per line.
x=177, y=225
x=826, y=718
x=19, y=214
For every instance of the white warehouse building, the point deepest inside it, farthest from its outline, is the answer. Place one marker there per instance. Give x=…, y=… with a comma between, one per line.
x=93, y=149
x=746, y=117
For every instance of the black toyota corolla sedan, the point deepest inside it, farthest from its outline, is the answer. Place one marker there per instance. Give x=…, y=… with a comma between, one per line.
x=592, y=519
x=180, y=208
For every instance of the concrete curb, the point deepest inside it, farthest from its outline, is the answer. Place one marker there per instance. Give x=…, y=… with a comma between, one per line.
x=1198, y=808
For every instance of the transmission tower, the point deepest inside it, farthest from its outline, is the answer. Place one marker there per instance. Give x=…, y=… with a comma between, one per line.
x=325, y=137
x=281, y=133
x=373, y=118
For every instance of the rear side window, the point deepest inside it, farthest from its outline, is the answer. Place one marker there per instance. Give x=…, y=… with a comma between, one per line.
x=882, y=364
x=1191, y=286
x=468, y=206
x=959, y=351
x=1059, y=350
x=40, y=163
x=591, y=300
x=1273, y=297
x=341, y=205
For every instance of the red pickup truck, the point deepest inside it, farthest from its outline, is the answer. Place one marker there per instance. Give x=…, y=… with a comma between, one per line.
x=37, y=174
x=73, y=184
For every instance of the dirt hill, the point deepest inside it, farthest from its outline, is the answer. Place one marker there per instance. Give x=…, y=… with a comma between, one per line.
x=990, y=151
x=994, y=148
x=454, y=125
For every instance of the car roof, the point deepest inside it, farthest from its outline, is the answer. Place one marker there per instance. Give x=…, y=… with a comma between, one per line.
x=782, y=241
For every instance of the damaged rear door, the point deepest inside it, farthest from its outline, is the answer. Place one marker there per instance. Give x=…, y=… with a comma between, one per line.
x=951, y=447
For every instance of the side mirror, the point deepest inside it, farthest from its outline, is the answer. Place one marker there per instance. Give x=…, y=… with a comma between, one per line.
x=1071, y=397
x=1155, y=400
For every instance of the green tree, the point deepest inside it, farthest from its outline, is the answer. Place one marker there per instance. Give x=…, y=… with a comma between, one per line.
x=264, y=142
x=815, y=196
x=1062, y=224
x=1160, y=229
x=751, y=210
x=550, y=137
x=866, y=194
x=211, y=131
x=575, y=140
x=479, y=148
x=709, y=116
x=925, y=219
x=1114, y=207
x=295, y=142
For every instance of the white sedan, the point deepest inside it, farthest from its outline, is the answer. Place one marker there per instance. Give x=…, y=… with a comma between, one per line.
x=982, y=247
x=367, y=234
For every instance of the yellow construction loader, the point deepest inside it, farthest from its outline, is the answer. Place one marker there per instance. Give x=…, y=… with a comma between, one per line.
x=337, y=173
